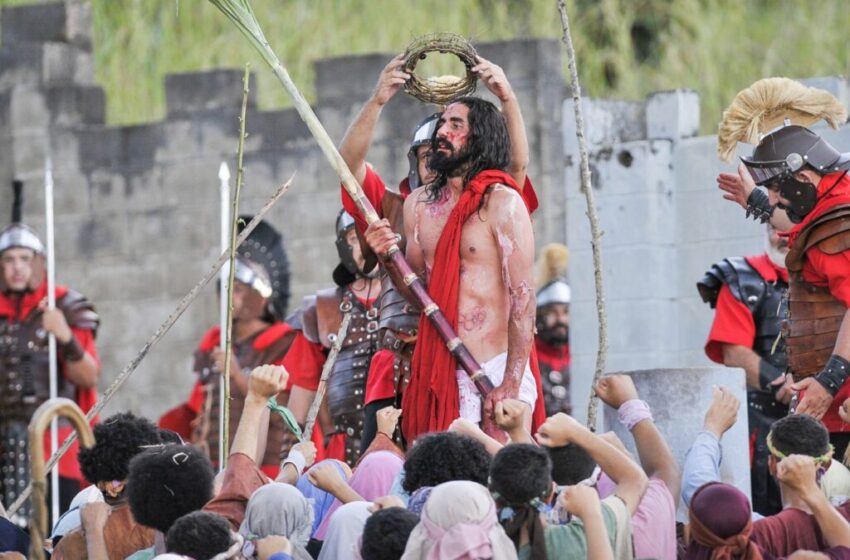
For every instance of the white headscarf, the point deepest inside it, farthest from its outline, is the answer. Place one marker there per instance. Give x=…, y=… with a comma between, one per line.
x=279, y=509
x=459, y=523
x=344, y=532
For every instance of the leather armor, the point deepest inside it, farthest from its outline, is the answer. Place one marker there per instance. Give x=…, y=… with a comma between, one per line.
x=346, y=389
x=399, y=326
x=206, y=428
x=814, y=315
x=25, y=385
x=555, y=383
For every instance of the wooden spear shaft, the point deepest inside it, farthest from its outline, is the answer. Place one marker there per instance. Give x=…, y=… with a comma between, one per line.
x=155, y=338
x=595, y=232
x=326, y=373
x=241, y=14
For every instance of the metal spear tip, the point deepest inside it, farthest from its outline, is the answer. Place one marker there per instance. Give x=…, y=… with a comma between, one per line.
x=224, y=172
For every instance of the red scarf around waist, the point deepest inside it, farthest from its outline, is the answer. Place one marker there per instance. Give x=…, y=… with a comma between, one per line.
x=431, y=399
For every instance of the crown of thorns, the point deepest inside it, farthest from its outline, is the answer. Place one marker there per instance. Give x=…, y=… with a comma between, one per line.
x=438, y=90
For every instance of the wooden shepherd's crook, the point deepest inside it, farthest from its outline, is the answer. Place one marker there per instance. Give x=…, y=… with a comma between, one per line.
x=39, y=423
x=595, y=233
x=242, y=15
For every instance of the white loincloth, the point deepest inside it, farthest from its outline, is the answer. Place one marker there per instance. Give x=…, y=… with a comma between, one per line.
x=494, y=368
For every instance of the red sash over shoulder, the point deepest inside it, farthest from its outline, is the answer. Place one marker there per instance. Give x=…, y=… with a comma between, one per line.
x=431, y=401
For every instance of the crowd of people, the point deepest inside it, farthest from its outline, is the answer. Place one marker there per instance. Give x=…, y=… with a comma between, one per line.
x=410, y=454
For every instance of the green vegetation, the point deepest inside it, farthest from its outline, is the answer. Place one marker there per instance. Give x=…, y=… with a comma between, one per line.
x=626, y=48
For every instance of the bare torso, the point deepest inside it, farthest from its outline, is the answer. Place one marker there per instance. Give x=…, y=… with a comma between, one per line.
x=484, y=307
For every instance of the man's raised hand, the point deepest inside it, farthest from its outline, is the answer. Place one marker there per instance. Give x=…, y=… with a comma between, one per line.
x=722, y=412
x=737, y=186
x=798, y=472
x=614, y=390
x=308, y=450
x=390, y=81
x=509, y=414
x=581, y=501
x=559, y=430
x=325, y=476
x=267, y=381
x=388, y=420
x=494, y=78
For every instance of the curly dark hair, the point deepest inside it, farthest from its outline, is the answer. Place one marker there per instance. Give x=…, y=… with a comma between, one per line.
x=488, y=145
x=168, y=482
x=521, y=472
x=799, y=434
x=118, y=439
x=442, y=457
x=200, y=535
x=570, y=464
x=386, y=532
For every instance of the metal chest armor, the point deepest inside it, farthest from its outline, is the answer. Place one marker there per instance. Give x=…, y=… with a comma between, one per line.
x=206, y=429
x=347, y=382
x=555, y=384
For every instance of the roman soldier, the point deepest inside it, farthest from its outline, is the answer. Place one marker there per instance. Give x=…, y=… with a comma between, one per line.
x=749, y=298
x=25, y=322
x=807, y=178
x=552, y=341
x=357, y=293
x=260, y=297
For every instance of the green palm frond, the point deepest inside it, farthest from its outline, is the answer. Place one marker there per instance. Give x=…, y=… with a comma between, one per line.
x=242, y=15
x=286, y=414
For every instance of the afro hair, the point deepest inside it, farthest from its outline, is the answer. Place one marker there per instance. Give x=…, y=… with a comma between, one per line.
x=167, y=482
x=200, y=535
x=521, y=472
x=118, y=439
x=442, y=457
x=386, y=532
x=570, y=464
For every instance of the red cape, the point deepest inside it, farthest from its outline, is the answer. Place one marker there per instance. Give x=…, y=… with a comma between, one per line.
x=431, y=401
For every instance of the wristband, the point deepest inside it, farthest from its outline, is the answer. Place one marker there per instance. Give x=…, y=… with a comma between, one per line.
x=833, y=374
x=758, y=206
x=768, y=373
x=280, y=556
x=633, y=411
x=297, y=459
x=71, y=350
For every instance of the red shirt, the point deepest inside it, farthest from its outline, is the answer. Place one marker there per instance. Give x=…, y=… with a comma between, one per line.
x=733, y=321
x=304, y=362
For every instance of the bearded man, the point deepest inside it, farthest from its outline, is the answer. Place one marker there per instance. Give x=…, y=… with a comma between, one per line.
x=25, y=322
x=469, y=236
x=553, y=328
x=749, y=298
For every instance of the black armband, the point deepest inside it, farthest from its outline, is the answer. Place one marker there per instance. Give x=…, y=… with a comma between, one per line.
x=768, y=373
x=834, y=374
x=71, y=350
x=758, y=206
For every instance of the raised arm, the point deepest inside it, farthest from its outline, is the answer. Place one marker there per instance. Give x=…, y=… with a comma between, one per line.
x=511, y=228
x=358, y=137
x=656, y=458
x=561, y=429
x=494, y=78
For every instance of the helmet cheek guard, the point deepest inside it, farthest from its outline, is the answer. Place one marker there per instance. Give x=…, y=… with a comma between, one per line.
x=347, y=270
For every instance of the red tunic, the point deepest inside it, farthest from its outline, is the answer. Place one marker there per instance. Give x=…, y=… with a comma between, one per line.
x=832, y=271
x=85, y=397
x=733, y=321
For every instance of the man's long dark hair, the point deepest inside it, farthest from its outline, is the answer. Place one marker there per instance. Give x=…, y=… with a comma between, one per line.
x=488, y=143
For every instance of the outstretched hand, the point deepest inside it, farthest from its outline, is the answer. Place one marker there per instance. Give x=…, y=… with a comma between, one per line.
x=737, y=186
x=816, y=401
x=559, y=430
x=614, y=390
x=722, y=413
x=388, y=420
x=494, y=78
x=267, y=381
x=391, y=80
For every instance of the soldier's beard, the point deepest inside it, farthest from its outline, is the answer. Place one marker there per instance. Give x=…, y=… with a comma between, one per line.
x=777, y=254
x=556, y=335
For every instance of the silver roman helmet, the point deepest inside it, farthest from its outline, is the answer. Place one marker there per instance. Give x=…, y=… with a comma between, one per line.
x=18, y=234
x=421, y=137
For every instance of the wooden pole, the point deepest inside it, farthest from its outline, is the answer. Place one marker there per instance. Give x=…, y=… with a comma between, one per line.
x=595, y=232
x=242, y=15
x=156, y=337
x=326, y=373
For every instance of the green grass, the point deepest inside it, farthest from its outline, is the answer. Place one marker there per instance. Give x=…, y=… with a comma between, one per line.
x=626, y=48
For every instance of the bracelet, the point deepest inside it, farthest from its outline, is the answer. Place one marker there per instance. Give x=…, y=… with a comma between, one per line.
x=297, y=459
x=633, y=411
x=768, y=373
x=758, y=206
x=71, y=350
x=834, y=374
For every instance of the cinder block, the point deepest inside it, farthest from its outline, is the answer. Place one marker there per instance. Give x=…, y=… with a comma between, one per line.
x=38, y=23
x=210, y=90
x=672, y=114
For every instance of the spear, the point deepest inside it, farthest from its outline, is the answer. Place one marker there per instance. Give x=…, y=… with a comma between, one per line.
x=595, y=233
x=51, y=339
x=224, y=276
x=242, y=15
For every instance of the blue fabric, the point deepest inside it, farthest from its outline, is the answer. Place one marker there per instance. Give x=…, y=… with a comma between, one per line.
x=320, y=499
x=12, y=538
x=280, y=556
x=397, y=490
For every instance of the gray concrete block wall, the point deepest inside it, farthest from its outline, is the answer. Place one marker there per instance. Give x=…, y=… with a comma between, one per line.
x=664, y=224
x=137, y=214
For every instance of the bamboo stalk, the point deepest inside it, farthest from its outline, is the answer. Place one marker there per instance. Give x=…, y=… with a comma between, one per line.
x=224, y=436
x=156, y=337
x=327, y=368
x=242, y=15
x=593, y=217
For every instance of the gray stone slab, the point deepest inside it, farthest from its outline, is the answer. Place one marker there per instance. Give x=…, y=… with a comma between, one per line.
x=679, y=399
x=34, y=23
x=191, y=92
